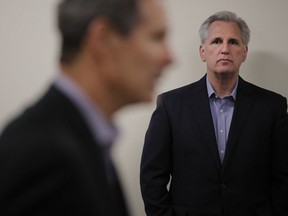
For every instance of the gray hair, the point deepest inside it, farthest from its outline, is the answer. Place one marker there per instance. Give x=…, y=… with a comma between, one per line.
x=74, y=17
x=225, y=16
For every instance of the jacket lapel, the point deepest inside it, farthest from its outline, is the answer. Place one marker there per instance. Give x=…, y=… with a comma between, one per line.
x=201, y=107
x=243, y=104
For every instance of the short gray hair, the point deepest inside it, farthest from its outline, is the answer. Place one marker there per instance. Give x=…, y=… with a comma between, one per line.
x=74, y=17
x=225, y=16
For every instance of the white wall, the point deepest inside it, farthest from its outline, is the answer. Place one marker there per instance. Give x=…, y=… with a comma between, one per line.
x=29, y=52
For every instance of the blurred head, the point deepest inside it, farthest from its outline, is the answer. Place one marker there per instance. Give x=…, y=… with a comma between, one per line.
x=124, y=41
x=75, y=16
x=224, y=43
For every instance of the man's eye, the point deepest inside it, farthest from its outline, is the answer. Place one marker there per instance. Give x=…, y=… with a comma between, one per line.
x=234, y=42
x=216, y=42
x=158, y=36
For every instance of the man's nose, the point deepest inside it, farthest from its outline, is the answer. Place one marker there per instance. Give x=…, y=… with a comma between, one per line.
x=168, y=57
x=225, y=48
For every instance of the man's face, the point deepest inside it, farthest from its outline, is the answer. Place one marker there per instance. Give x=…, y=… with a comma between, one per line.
x=223, y=50
x=137, y=60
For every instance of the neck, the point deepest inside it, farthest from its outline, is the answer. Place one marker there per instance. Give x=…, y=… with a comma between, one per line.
x=87, y=77
x=223, y=85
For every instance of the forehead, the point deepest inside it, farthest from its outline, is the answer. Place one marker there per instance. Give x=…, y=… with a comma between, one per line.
x=224, y=29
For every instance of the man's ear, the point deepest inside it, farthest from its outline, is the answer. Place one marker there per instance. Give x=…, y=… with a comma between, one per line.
x=100, y=37
x=245, y=53
x=202, y=52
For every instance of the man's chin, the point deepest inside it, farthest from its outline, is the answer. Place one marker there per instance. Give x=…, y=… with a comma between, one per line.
x=226, y=73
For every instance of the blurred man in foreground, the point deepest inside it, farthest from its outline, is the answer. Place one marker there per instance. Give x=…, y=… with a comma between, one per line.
x=54, y=157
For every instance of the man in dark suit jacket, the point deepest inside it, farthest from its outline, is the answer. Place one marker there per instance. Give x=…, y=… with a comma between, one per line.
x=219, y=146
x=54, y=157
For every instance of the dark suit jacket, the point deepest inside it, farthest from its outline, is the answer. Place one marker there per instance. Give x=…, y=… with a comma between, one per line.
x=51, y=165
x=180, y=142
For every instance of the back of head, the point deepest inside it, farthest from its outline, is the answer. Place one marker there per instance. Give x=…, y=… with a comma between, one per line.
x=225, y=16
x=74, y=17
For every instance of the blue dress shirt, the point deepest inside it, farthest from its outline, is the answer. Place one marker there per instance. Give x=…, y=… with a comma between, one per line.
x=222, y=112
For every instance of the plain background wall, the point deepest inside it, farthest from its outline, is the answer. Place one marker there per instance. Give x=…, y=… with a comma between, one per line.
x=29, y=52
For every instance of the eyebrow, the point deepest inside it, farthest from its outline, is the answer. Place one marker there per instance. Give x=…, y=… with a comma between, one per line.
x=230, y=39
x=216, y=39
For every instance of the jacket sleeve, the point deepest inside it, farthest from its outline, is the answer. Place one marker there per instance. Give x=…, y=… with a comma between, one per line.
x=279, y=178
x=156, y=163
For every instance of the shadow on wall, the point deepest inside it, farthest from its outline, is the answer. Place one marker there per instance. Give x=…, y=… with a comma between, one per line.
x=268, y=71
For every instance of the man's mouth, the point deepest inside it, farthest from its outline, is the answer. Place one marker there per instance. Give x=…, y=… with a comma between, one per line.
x=224, y=60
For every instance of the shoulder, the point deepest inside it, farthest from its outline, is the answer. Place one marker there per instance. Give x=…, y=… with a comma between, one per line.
x=264, y=100
x=259, y=93
x=184, y=92
x=45, y=136
x=43, y=125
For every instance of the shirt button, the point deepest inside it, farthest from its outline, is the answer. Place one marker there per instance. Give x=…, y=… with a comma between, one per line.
x=222, y=151
x=221, y=110
x=221, y=131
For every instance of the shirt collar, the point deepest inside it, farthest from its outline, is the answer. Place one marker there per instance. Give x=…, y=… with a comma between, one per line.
x=101, y=128
x=212, y=92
